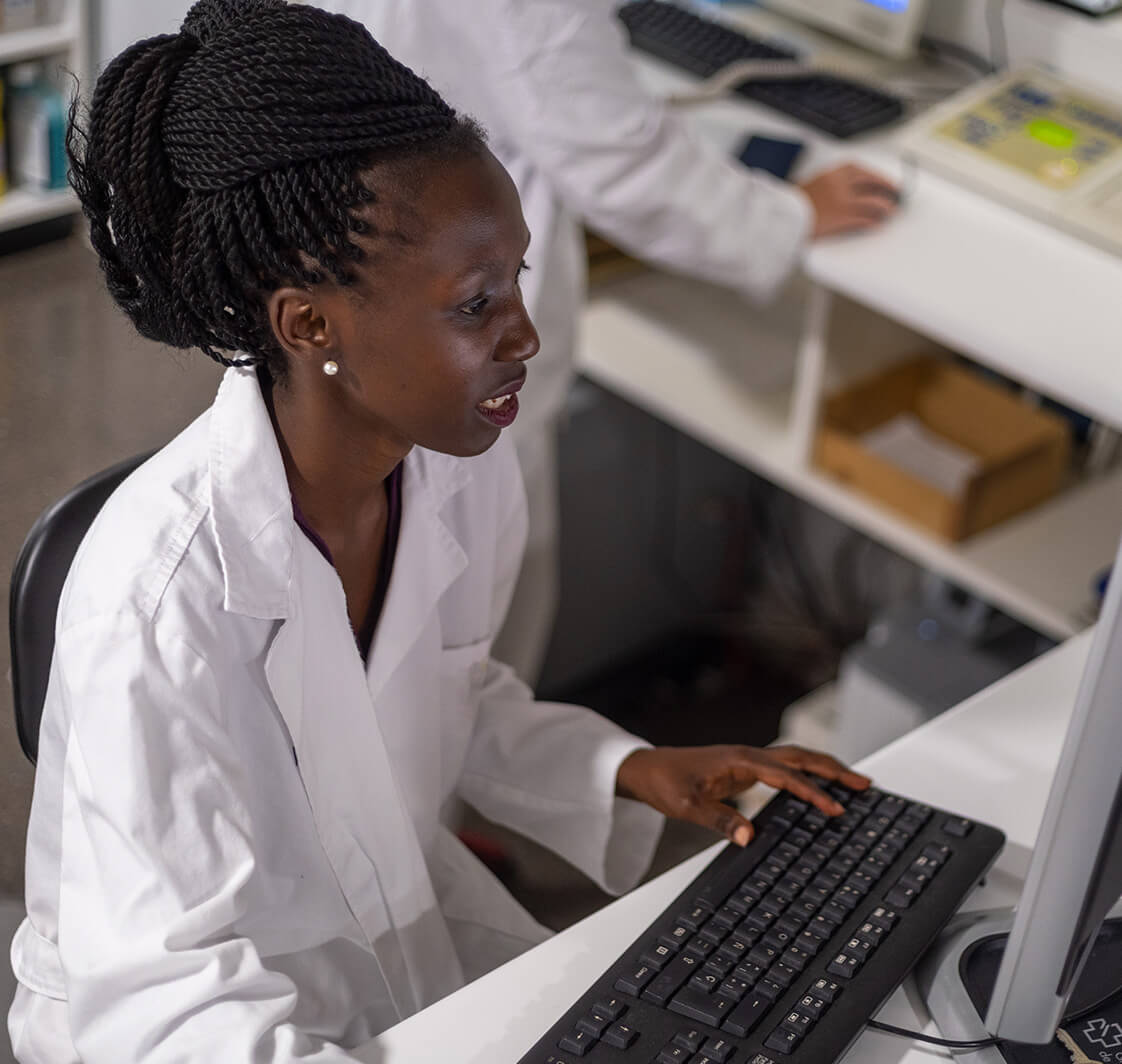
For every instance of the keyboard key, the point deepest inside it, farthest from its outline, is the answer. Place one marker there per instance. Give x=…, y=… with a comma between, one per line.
x=744, y=1018
x=901, y=897
x=690, y=1039
x=915, y=880
x=726, y=917
x=705, y=1008
x=770, y=989
x=610, y=1007
x=782, y=1040
x=859, y=948
x=799, y=1022
x=834, y=913
x=763, y=955
x=578, y=1043
x=825, y=989
x=658, y=956
x=782, y=974
x=734, y=987
x=812, y=1006
x=884, y=917
x=700, y=948
x=822, y=928
x=869, y=932
x=749, y=971
x=937, y=854
x=620, y=1035
x=718, y=966
x=810, y=944
x=718, y=1049
x=706, y=982
x=780, y=940
x=791, y=925
x=797, y=958
x=664, y=986
x=633, y=981
x=594, y=1024
x=676, y=938
x=844, y=965
x=694, y=918
x=673, y=1054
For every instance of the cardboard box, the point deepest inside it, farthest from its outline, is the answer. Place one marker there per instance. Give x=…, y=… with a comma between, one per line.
x=1017, y=453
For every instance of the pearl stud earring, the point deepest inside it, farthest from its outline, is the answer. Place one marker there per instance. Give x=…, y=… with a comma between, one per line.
x=331, y=367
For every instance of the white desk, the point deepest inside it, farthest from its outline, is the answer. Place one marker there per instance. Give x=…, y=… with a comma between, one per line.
x=954, y=270
x=991, y=759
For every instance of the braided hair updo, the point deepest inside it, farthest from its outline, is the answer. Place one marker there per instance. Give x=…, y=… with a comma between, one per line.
x=223, y=161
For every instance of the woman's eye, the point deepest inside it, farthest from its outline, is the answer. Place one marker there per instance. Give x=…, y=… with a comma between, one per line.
x=474, y=307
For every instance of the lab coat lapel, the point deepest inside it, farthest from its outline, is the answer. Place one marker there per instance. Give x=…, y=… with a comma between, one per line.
x=428, y=552
x=328, y=704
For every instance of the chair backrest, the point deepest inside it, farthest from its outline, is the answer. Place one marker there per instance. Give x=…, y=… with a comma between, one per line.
x=40, y=571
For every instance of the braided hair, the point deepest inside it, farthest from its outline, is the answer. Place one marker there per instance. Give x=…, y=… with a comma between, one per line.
x=221, y=162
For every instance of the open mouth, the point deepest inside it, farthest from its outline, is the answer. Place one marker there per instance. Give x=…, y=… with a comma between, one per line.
x=501, y=410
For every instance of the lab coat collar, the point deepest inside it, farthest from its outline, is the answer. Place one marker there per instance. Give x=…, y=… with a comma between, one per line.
x=251, y=508
x=249, y=499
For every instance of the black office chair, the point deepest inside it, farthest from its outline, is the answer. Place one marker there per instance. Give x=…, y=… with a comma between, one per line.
x=40, y=571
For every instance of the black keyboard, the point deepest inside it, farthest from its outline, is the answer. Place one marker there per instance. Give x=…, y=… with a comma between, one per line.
x=701, y=46
x=780, y=951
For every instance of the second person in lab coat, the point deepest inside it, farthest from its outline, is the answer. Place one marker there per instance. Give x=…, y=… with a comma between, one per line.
x=584, y=141
x=272, y=667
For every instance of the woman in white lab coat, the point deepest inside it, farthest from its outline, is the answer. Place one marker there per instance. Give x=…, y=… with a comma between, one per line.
x=585, y=142
x=272, y=666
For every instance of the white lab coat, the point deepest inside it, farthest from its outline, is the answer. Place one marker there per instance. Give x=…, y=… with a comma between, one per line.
x=236, y=850
x=553, y=84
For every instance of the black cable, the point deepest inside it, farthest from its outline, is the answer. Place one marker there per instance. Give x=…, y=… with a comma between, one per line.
x=985, y=1043
x=947, y=1043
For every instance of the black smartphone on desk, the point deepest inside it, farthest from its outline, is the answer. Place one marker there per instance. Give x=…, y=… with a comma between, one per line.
x=776, y=156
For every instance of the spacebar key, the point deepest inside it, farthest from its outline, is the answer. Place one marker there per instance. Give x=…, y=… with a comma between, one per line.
x=670, y=979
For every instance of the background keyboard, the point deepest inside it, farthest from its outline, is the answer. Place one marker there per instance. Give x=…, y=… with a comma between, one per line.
x=780, y=951
x=701, y=46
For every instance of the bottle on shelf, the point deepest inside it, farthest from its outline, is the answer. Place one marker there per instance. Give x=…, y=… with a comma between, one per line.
x=37, y=129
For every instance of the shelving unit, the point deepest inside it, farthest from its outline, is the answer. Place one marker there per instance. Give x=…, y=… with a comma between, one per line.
x=663, y=343
x=64, y=43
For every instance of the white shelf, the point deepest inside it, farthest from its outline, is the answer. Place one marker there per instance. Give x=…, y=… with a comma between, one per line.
x=16, y=45
x=23, y=207
x=662, y=343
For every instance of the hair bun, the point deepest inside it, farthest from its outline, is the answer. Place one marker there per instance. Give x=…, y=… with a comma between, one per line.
x=208, y=19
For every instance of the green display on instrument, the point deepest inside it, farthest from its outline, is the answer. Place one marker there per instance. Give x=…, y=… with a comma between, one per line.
x=1051, y=133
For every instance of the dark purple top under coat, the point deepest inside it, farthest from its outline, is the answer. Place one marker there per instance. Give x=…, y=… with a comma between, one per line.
x=364, y=637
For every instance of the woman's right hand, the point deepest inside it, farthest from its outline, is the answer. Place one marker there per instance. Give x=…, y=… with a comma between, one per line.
x=849, y=198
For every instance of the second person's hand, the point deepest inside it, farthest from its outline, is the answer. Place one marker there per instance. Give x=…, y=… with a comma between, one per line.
x=849, y=198
x=689, y=782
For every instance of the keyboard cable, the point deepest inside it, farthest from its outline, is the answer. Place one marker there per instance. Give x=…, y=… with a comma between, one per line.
x=985, y=1043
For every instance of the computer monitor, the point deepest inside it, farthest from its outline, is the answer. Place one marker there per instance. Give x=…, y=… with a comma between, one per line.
x=887, y=26
x=1074, y=881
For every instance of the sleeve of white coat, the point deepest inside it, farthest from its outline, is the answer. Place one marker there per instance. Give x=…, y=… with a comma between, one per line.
x=549, y=770
x=567, y=95
x=156, y=846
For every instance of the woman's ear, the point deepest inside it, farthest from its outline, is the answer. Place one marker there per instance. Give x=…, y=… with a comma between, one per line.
x=300, y=325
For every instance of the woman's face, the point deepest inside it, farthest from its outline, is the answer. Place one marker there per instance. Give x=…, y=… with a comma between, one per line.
x=433, y=333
